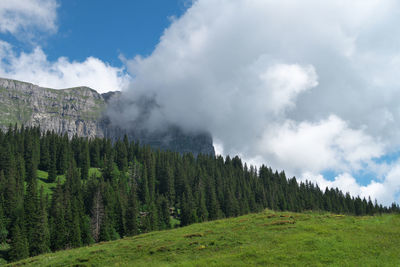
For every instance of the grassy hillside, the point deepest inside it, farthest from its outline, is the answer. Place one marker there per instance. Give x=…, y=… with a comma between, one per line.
x=267, y=238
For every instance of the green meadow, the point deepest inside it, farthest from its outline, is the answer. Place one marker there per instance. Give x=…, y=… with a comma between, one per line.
x=48, y=187
x=267, y=238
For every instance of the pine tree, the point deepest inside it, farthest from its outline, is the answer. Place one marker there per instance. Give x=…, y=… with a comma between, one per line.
x=144, y=188
x=3, y=226
x=40, y=242
x=188, y=212
x=370, y=207
x=121, y=155
x=153, y=216
x=358, y=206
x=44, y=154
x=132, y=214
x=13, y=188
x=94, y=154
x=151, y=175
x=58, y=228
x=73, y=206
x=85, y=161
x=86, y=233
x=63, y=155
x=107, y=170
x=105, y=230
x=120, y=223
x=75, y=233
x=211, y=202
x=167, y=182
x=52, y=162
x=164, y=214
x=202, y=211
x=19, y=244
x=31, y=206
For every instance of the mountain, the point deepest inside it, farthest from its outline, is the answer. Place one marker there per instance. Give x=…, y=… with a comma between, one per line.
x=263, y=239
x=82, y=111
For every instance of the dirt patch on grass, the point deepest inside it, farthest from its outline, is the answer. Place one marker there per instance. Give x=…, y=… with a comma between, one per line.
x=163, y=249
x=280, y=222
x=338, y=216
x=238, y=228
x=97, y=251
x=193, y=235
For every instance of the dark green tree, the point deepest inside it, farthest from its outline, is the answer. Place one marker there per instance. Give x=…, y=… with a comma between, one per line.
x=19, y=244
x=41, y=235
x=3, y=226
x=164, y=214
x=52, y=162
x=85, y=160
x=132, y=214
x=58, y=227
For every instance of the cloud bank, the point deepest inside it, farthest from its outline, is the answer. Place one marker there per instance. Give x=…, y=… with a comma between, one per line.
x=63, y=73
x=300, y=85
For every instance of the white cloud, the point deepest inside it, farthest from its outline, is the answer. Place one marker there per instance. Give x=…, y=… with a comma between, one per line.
x=285, y=82
x=384, y=191
x=34, y=67
x=27, y=20
x=326, y=144
x=21, y=17
x=344, y=181
x=304, y=86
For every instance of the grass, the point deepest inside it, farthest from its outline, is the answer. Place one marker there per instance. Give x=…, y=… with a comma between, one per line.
x=48, y=187
x=94, y=171
x=174, y=222
x=267, y=238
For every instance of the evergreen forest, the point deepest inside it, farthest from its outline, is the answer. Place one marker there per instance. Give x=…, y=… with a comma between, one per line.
x=107, y=189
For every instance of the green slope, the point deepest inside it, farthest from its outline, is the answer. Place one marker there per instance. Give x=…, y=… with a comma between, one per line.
x=267, y=238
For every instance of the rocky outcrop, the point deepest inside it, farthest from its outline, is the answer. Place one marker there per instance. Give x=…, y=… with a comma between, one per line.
x=72, y=111
x=81, y=111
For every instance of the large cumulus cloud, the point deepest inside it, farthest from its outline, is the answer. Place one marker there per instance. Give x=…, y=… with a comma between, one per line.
x=307, y=86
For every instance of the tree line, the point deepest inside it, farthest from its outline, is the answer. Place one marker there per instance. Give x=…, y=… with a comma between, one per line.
x=137, y=190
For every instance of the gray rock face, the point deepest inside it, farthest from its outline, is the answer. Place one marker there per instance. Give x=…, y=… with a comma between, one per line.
x=81, y=111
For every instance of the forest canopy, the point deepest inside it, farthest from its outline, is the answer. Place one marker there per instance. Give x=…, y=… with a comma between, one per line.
x=99, y=190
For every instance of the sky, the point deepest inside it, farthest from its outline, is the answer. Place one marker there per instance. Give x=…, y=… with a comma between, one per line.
x=307, y=87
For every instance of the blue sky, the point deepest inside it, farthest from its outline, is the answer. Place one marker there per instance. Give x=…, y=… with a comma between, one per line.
x=312, y=89
x=96, y=28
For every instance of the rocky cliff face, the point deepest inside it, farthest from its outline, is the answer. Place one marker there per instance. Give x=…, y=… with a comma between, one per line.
x=81, y=111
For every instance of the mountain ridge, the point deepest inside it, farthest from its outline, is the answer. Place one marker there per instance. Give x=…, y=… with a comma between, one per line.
x=81, y=111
